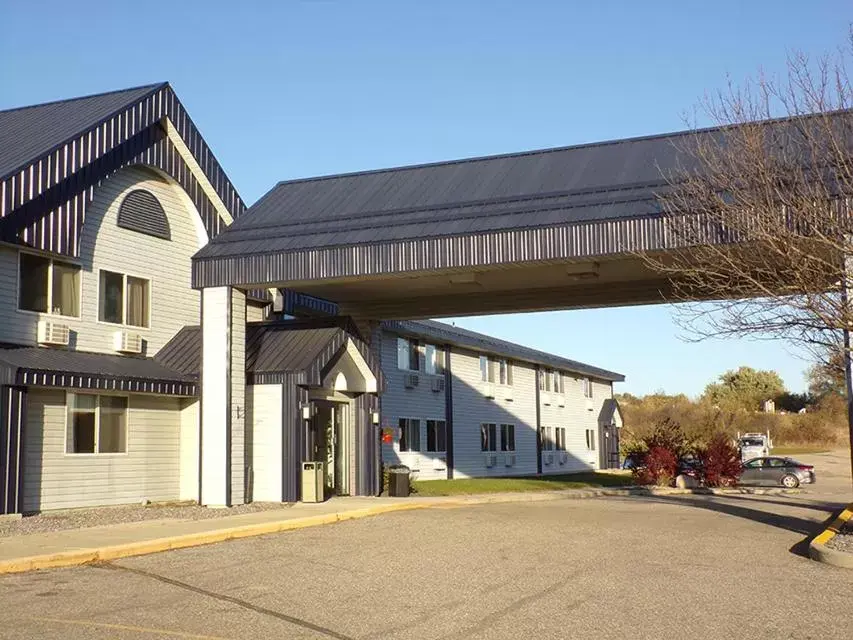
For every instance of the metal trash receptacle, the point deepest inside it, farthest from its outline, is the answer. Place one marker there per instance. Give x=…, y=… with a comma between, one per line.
x=313, y=485
x=398, y=481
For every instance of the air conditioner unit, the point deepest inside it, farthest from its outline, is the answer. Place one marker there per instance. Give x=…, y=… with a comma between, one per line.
x=438, y=384
x=411, y=380
x=546, y=398
x=439, y=464
x=564, y=457
x=509, y=460
x=547, y=458
x=50, y=332
x=589, y=404
x=561, y=401
x=488, y=390
x=490, y=459
x=127, y=342
x=507, y=393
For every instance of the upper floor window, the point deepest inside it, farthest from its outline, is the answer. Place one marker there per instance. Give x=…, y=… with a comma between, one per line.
x=408, y=354
x=496, y=370
x=434, y=357
x=48, y=286
x=587, y=387
x=124, y=299
x=547, y=380
x=557, y=383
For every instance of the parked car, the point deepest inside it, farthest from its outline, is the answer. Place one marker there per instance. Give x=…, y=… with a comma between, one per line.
x=773, y=471
x=634, y=461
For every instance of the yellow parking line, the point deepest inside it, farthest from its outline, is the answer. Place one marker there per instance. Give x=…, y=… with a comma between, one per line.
x=125, y=627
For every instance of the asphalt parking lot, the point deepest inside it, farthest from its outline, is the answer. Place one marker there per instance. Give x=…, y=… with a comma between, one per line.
x=703, y=566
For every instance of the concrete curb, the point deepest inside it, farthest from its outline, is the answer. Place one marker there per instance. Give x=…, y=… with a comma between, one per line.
x=103, y=554
x=820, y=552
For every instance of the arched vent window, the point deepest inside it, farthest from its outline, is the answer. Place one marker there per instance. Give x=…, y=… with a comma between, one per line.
x=141, y=211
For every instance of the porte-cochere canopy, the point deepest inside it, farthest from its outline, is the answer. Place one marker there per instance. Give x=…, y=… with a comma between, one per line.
x=556, y=228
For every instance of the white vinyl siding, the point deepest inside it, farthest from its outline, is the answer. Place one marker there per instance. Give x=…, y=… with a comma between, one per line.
x=255, y=312
x=471, y=409
x=104, y=245
x=149, y=470
x=263, y=417
x=189, y=449
x=421, y=403
x=577, y=416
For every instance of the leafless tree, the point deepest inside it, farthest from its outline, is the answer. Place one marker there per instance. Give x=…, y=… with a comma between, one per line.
x=758, y=210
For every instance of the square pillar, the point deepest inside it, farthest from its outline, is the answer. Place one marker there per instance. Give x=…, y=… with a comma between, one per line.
x=223, y=392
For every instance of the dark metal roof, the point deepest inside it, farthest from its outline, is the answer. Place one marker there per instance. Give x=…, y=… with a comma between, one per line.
x=605, y=180
x=33, y=131
x=25, y=365
x=290, y=345
x=448, y=334
x=609, y=409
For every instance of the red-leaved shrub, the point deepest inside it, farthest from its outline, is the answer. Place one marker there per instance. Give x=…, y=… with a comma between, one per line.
x=720, y=462
x=659, y=467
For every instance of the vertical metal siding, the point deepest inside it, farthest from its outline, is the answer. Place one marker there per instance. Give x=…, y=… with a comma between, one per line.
x=13, y=407
x=46, y=201
x=293, y=437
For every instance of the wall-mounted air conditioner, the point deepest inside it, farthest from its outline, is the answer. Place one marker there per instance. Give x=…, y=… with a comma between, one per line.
x=490, y=459
x=55, y=333
x=411, y=380
x=488, y=390
x=127, y=342
x=509, y=460
x=439, y=464
x=589, y=404
x=438, y=384
x=561, y=400
x=548, y=458
x=507, y=393
x=564, y=457
x=546, y=397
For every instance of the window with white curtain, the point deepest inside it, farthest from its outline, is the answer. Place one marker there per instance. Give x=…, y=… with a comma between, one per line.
x=410, y=434
x=96, y=424
x=124, y=299
x=48, y=286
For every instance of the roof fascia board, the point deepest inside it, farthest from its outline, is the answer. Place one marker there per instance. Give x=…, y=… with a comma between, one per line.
x=195, y=168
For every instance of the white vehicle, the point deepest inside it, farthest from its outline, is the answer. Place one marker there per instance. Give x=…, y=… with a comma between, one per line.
x=754, y=445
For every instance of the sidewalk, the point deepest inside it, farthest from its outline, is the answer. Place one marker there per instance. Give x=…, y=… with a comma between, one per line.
x=70, y=547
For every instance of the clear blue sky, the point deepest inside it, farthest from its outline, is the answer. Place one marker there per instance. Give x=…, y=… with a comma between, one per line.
x=289, y=89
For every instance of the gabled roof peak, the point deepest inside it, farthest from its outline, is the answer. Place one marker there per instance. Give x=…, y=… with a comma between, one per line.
x=151, y=87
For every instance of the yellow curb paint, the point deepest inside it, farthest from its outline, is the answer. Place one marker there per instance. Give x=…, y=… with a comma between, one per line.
x=834, y=527
x=103, y=554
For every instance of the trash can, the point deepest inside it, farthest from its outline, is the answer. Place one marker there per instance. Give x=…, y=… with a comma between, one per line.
x=398, y=481
x=313, y=486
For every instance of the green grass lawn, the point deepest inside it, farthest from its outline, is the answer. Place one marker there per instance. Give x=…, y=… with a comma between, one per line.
x=499, y=485
x=789, y=451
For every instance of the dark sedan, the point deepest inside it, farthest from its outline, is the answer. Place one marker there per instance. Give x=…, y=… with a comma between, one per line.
x=774, y=471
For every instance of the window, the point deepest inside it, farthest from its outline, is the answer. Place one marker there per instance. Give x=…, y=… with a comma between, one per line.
x=48, y=286
x=558, y=382
x=408, y=354
x=124, y=299
x=560, y=436
x=590, y=439
x=495, y=370
x=96, y=424
x=410, y=434
x=507, y=437
x=547, y=379
x=436, y=435
x=547, y=440
x=587, y=388
x=487, y=437
x=754, y=464
x=434, y=359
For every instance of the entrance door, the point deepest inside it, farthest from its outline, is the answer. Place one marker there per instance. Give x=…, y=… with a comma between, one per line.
x=331, y=438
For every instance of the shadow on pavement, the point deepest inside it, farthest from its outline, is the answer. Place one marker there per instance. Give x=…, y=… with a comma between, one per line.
x=803, y=526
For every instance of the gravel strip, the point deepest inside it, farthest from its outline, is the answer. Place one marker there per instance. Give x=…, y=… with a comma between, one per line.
x=843, y=540
x=83, y=518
